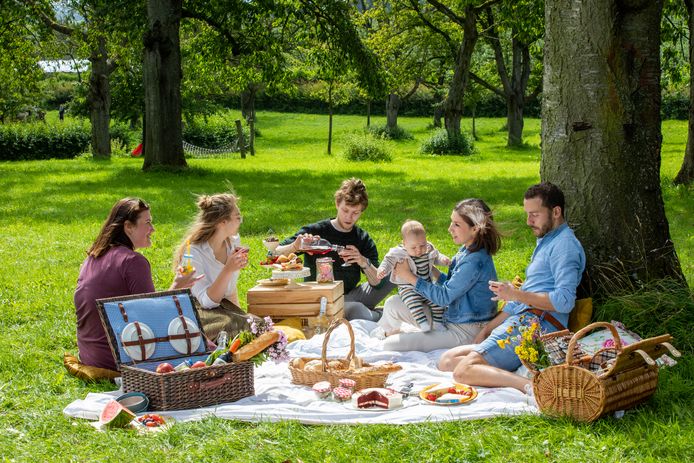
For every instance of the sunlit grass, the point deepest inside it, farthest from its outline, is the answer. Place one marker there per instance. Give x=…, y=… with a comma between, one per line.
x=50, y=211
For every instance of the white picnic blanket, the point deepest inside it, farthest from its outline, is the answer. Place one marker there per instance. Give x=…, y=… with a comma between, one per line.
x=277, y=399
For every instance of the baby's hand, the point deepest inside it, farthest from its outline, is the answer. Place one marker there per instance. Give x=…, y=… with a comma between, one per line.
x=446, y=261
x=380, y=275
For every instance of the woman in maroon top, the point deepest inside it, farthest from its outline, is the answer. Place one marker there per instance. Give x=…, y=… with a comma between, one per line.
x=112, y=269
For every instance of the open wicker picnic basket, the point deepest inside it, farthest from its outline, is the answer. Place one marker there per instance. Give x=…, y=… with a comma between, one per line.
x=333, y=370
x=586, y=387
x=150, y=314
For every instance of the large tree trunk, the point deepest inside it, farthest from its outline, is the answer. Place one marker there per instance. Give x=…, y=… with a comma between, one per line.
x=453, y=105
x=520, y=73
x=392, y=108
x=162, y=81
x=686, y=173
x=99, y=100
x=601, y=134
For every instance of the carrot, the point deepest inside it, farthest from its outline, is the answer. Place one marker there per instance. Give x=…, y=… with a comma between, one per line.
x=235, y=345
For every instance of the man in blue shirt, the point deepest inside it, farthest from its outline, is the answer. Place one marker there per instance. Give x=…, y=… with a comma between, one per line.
x=547, y=296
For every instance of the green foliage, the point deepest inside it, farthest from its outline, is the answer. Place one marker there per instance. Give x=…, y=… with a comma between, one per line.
x=385, y=132
x=440, y=143
x=212, y=133
x=365, y=147
x=124, y=134
x=656, y=308
x=675, y=105
x=37, y=140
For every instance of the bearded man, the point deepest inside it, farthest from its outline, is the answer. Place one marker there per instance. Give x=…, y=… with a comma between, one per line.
x=546, y=297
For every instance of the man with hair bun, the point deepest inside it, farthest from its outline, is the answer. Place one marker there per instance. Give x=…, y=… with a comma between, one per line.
x=351, y=200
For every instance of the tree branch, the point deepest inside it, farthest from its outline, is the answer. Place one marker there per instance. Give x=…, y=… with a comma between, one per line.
x=487, y=85
x=459, y=20
x=453, y=46
x=495, y=42
x=236, y=49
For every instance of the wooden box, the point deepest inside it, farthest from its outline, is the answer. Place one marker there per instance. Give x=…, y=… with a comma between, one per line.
x=302, y=300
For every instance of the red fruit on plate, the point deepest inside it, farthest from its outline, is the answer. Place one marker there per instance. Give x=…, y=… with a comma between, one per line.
x=198, y=364
x=165, y=368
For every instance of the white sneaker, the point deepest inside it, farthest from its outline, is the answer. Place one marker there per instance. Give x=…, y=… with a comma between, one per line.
x=438, y=326
x=425, y=326
x=378, y=333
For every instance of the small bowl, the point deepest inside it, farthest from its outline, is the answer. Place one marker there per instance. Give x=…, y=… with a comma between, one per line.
x=136, y=402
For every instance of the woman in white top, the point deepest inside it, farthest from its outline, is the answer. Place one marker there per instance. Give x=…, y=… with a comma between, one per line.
x=214, y=246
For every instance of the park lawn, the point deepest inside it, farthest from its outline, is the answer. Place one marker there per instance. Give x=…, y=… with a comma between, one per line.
x=52, y=210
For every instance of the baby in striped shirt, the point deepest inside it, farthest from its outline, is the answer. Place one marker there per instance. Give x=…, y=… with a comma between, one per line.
x=421, y=256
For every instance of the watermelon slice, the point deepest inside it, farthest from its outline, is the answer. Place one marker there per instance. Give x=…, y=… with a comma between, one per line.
x=116, y=415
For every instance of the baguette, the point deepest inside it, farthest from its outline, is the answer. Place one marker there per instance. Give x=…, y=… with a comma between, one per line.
x=256, y=346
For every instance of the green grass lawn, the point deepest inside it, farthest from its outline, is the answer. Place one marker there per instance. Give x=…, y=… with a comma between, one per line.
x=50, y=211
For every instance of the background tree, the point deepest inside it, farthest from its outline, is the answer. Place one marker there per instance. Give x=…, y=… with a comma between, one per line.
x=520, y=23
x=686, y=173
x=601, y=134
x=19, y=57
x=162, y=143
x=464, y=15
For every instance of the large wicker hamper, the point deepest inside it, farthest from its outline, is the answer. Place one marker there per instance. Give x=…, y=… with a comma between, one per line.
x=177, y=390
x=585, y=388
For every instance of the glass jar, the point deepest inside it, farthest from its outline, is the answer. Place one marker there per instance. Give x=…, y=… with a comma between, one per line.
x=324, y=270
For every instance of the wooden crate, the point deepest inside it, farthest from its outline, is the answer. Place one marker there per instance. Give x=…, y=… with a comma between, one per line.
x=301, y=301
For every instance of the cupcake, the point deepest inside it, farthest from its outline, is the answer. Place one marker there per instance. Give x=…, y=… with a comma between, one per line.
x=322, y=389
x=348, y=383
x=342, y=394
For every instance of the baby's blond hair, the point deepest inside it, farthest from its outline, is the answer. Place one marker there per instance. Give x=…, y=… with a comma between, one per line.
x=412, y=228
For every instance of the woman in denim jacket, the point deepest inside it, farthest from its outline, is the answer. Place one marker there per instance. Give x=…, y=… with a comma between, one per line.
x=464, y=290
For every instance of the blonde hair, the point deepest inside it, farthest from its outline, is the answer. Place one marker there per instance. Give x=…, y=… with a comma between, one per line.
x=412, y=227
x=352, y=192
x=212, y=209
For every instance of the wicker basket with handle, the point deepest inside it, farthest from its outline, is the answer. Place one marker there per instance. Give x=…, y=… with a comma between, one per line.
x=613, y=379
x=364, y=374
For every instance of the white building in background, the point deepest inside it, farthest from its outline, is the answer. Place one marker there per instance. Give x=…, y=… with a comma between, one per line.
x=64, y=65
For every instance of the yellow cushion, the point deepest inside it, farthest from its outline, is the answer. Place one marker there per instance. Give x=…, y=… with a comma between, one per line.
x=86, y=372
x=580, y=315
x=292, y=333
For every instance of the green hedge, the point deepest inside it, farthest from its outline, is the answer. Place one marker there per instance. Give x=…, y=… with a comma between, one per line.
x=37, y=140
x=213, y=133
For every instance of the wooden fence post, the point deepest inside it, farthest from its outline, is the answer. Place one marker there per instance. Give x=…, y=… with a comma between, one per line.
x=251, y=125
x=242, y=144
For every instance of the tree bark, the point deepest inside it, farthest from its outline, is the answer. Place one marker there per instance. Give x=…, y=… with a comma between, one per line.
x=686, y=174
x=601, y=135
x=453, y=105
x=162, y=81
x=330, y=117
x=368, y=114
x=392, y=108
x=248, y=102
x=99, y=100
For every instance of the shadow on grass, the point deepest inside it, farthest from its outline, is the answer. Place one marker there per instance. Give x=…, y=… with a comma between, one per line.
x=269, y=198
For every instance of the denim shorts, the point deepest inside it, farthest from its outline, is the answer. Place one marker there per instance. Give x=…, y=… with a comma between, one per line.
x=506, y=358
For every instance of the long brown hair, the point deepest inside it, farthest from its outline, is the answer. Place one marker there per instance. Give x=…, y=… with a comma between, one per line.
x=212, y=209
x=113, y=230
x=476, y=213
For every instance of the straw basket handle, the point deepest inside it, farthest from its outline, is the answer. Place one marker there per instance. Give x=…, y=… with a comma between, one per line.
x=333, y=326
x=581, y=333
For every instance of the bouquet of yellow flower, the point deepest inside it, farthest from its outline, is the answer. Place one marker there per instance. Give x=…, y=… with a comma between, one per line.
x=528, y=343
